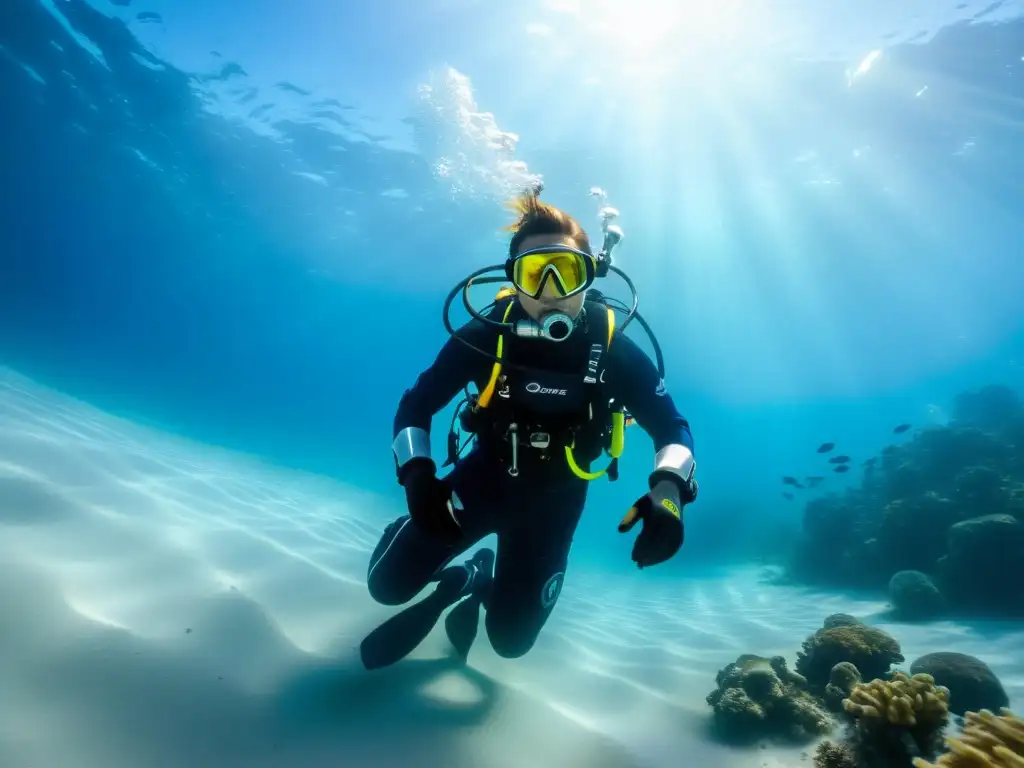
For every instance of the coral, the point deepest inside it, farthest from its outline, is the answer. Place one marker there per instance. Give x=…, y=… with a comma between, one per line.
x=758, y=697
x=920, y=506
x=829, y=525
x=831, y=755
x=987, y=408
x=914, y=596
x=785, y=674
x=987, y=741
x=738, y=718
x=940, y=454
x=839, y=620
x=912, y=530
x=979, y=535
x=902, y=480
x=872, y=651
x=841, y=681
x=980, y=488
x=904, y=701
x=972, y=685
x=803, y=716
x=981, y=552
x=897, y=719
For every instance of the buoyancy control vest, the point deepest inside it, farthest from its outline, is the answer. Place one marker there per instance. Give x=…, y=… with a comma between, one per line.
x=548, y=412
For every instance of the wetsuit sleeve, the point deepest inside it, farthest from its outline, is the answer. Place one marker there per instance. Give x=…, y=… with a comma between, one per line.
x=452, y=369
x=632, y=379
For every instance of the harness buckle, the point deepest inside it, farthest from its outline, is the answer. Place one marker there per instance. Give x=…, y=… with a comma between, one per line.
x=540, y=439
x=513, y=432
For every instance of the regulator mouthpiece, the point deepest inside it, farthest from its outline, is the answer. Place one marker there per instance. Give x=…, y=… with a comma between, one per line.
x=554, y=327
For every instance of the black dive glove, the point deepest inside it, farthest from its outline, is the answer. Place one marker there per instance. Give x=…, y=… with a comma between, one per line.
x=429, y=499
x=661, y=510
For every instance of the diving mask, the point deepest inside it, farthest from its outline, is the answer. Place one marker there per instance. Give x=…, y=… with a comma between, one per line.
x=568, y=270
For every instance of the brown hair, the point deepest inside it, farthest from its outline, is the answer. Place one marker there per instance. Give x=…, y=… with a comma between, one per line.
x=536, y=218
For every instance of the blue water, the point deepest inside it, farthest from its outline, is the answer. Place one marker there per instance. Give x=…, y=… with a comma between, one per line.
x=820, y=260
x=237, y=222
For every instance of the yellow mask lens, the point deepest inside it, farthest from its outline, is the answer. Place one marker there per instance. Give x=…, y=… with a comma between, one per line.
x=568, y=269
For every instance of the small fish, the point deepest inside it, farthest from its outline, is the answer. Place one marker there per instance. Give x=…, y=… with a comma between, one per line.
x=839, y=460
x=842, y=468
x=787, y=480
x=826, y=447
x=813, y=480
x=787, y=496
x=901, y=429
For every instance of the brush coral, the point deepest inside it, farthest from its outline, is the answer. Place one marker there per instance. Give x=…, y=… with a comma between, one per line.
x=906, y=701
x=897, y=720
x=988, y=741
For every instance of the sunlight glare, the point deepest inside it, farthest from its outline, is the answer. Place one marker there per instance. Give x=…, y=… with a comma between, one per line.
x=563, y=6
x=655, y=28
x=864, y=67
x=637, y=26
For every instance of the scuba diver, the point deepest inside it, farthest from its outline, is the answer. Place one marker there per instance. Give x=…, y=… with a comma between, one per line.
x=557, y=384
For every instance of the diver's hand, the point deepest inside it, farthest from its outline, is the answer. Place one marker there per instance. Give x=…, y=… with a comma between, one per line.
x=662, y=534
x=430, y=500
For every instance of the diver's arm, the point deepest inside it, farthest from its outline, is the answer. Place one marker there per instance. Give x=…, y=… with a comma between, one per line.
x=632, y=379
x=452, y=370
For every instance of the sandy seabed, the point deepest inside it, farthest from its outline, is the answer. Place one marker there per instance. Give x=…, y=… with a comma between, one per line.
x=164, y=603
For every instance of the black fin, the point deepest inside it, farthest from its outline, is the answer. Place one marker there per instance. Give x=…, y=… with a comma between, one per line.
x=397, y=637
x=461, y=624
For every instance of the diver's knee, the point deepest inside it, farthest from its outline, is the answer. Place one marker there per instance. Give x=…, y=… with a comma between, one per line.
x=384, y=577
x=510, y=639
x=385, y=589
x=389, y=583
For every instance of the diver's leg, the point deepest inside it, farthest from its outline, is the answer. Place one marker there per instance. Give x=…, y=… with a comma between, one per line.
x=407, y=559
x=399, y=635
x=533, y=549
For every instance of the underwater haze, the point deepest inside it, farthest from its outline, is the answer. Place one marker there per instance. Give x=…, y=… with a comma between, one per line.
x=227, y=232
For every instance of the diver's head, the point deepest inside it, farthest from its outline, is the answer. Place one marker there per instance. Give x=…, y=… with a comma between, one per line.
x=551, y=298
x=550, y=260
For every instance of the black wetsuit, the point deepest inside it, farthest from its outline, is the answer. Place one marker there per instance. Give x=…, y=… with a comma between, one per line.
x=534, y=514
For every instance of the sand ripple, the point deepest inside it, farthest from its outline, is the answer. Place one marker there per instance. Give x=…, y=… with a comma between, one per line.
x=168, y=604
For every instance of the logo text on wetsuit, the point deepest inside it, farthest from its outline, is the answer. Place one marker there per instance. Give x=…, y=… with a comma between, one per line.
x=536, y=389
x=550, y=591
